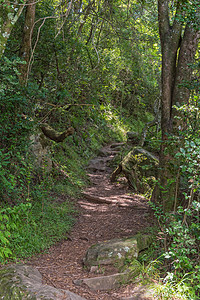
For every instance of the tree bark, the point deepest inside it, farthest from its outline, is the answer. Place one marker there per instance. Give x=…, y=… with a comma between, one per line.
x=26, y=40
x=187, y=53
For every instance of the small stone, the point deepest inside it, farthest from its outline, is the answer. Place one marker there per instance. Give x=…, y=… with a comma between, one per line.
x=78, y=282
x=94, y=269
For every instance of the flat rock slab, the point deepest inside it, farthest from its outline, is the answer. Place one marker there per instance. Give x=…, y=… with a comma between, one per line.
x=117, y=145
x=141, y=292
x=22, y=282
x=104, y=282
x=98, y=164
x=107, y=152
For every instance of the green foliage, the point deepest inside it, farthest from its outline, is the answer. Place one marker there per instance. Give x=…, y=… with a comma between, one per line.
x=28, y=228
x=179, y=231
x=15, y=126
x=15, y=107
x=180, y=242
x=173, y=290
x=11, y=220
x=187, y=150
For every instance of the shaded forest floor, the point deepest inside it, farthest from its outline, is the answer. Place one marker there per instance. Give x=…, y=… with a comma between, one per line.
x=106, y=211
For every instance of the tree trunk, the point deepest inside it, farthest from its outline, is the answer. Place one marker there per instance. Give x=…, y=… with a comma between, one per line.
x=177, y=54
x=11, y=14
x=26, y=41
x=187, y=53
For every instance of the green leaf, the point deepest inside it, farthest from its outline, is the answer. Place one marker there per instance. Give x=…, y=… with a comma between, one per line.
x=182, y=151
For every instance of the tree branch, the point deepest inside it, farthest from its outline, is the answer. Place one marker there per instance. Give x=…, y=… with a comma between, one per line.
x=54, y=135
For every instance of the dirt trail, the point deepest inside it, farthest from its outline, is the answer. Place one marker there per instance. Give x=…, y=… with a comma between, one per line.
x=107, y=211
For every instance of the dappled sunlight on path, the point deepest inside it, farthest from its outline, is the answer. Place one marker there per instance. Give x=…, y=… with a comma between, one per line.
x=107, y=210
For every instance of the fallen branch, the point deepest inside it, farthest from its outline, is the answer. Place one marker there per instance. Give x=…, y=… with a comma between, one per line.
x=62, y=172
x=55, y=135
x=145, y=130
x=65, y=107
x=116, y=172
x=96, y=199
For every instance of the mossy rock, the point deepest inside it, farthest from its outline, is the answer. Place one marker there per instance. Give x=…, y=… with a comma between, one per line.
x=11, y=287
x=116, y=251
x=133, y=137
x=41, y=152
x=22, y=282
x=140, y=168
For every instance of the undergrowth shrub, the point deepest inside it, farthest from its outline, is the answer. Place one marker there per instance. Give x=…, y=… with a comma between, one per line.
x=180, y=243
x=31, y=227
x=11, y=219
x=178, y=238
x=15, y=126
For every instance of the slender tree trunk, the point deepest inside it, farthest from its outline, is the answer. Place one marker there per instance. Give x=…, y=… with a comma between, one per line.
x=11, y=13
x=88, y=8
x=25, y=49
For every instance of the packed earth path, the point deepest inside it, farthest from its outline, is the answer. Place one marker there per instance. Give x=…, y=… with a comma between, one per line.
x=106, y=211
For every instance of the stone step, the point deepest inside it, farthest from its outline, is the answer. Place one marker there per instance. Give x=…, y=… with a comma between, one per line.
x=104, y=282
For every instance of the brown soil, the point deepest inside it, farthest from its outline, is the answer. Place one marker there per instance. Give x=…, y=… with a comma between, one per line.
x=122, y=214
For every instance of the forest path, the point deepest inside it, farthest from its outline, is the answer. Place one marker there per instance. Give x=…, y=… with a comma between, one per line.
x=107, y=211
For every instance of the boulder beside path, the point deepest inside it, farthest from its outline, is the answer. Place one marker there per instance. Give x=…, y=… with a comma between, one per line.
x=22, y=282
x=112, y=251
